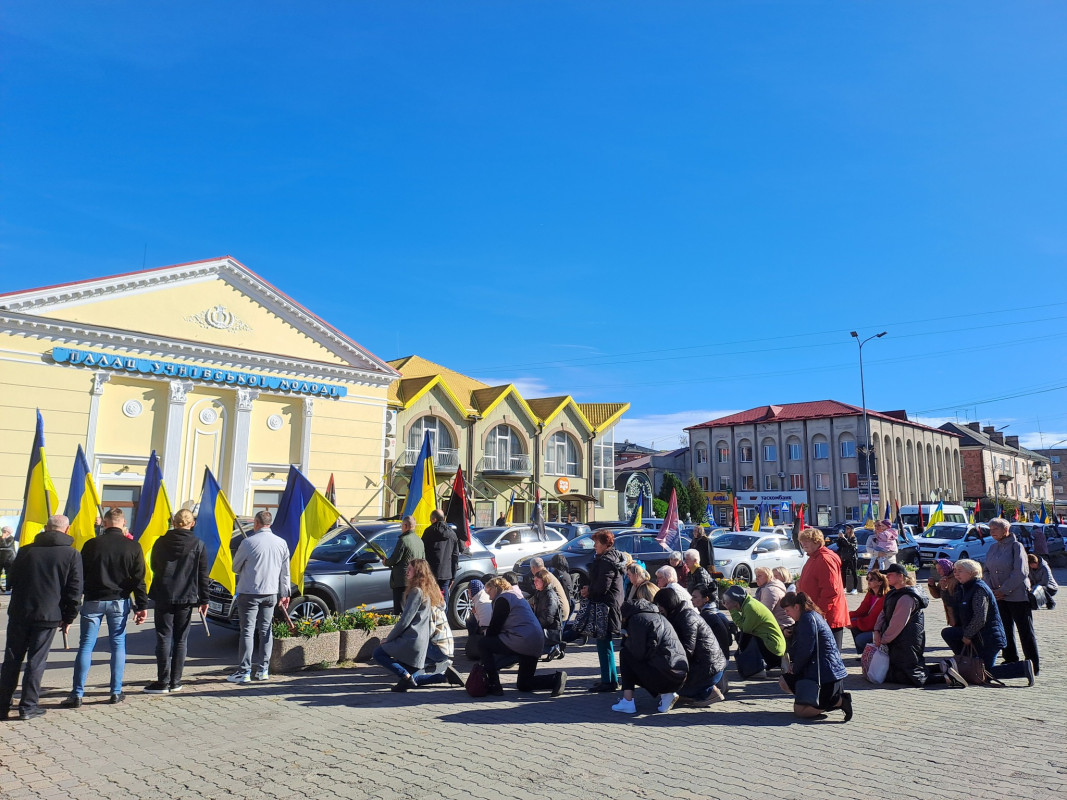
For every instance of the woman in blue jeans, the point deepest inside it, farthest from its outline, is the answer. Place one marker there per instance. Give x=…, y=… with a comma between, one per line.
x=404, y=651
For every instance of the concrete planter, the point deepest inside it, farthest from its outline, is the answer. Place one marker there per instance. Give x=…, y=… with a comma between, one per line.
x=372, y=641
x=297, y=652
x=352, y=643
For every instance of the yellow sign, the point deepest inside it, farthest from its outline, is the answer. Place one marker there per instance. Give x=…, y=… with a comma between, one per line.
x=719, y=498
x=563, y=486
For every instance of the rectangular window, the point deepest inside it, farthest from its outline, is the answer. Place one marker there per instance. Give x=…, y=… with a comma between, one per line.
x=724, y=483
x=796, y=482
x=704, y=484
x=1056, y=476
x=822, y=480
x=796, y=452
x=822, y=450
x=265, y=501
x=848, y=449
x=1055, y=459
x=604, y=447
x=1058, y=489
x=770, y=453
x=748, y=483
x=702, y=455
x=849, y=480
x=746, y=455
x=724, y=455
x=854, y=512
x=770, y=483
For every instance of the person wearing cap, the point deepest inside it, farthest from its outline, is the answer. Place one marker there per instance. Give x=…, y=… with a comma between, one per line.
x=755, y=621
x=901, y=627
x=942, y=584
x=821, y=581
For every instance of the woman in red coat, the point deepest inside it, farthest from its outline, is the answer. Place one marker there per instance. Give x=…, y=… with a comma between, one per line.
x=821, y=581
x=863, y=619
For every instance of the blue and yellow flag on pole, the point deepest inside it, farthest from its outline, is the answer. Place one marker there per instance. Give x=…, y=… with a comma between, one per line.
x=635, y=518
x=83, y=502
x=758, y=521
x=153, y=515
x=422, y=491
x=937, y=515
x=509, y=514
x=40, y=500
x=304, y=517
x=214, y=527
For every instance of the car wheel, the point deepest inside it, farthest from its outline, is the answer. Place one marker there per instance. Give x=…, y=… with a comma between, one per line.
x=308, y=607
x=743, y=573
x=916, y=560
x=964, y=554
x=459, y=605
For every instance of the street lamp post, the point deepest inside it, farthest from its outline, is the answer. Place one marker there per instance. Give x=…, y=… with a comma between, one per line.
x=866, y=429
x=993, y=469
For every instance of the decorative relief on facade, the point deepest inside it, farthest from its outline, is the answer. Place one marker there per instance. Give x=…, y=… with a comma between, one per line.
x=245, y=397
x=275, y=422
x=178, y=390
x=220, y=318
x=309, y=406
x=99, y=379
x=209, y=416
x=132, y=408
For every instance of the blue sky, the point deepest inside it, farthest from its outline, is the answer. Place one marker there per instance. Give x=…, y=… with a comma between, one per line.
x=686, y=206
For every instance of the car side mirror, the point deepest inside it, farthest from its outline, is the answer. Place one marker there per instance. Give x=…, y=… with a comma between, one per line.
x=366, y=558
x=500, y=544
x=760, y=551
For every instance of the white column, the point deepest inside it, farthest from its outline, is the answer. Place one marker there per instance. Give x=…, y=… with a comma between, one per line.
x=305, y=434
x=242, y=425
x=172, y=437
x=99, y=379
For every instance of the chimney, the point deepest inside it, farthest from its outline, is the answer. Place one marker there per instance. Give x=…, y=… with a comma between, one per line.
x=997, y=437
x=989, y=430
x=1012, y=441
x=975, y=426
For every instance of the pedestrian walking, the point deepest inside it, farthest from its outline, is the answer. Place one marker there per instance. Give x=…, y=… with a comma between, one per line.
x=1008, y=575
x=46, y=584
x=179, y=584
x=408, y=547
x=814, y=659
x=821, y=581
x=261, y=564
x=442, y=550
x=651, y=656
x=113, y=568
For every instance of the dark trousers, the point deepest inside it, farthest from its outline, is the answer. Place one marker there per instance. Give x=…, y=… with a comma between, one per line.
x=7, y=558
x=1019, y=615
x=954, y=639
x=849, y=568
x=172, y=634
x=495, y=654
x=770, y=660
x=446, y=587
x=635, y=673
x=29, y=643
x=398, y=600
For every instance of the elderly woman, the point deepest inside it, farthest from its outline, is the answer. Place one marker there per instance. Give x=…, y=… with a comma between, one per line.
x=1042, y=584
x=942, y=583
x=707, y=664
x=786, y=577
x=651, y=657
x=514, y=634
x=677, y=561
x=770, y=591
x=979, y=624
x=901, y=627
x=1008, y=575
x=698, y=576
x=636, y=575
x=603, y=617
x=814, y=657
x=821, y=581
x=755, y=623
x=404, y=651
x=864, y=618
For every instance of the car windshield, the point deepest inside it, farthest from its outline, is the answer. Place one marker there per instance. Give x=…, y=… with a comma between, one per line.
x=487, y=535
x=583, y=544
x=733, y=541
x=945, y=532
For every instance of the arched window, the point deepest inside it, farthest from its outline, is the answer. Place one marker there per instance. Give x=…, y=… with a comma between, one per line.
x=819, y=446
x=702, y=454
x=795, y=449
x=504, y=450
x=722, y=451
x=440, y=436
x=848, y=445
x=770, y=451
x=744, y=451
x=561, y=455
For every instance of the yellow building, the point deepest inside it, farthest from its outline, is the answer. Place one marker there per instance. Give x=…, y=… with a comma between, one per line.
x=205, y=363
x=505, y=443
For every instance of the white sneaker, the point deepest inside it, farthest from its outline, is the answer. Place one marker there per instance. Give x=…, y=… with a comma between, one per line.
x=625, y=706
x=667, y=701
x=240, y=677
x=261, y=676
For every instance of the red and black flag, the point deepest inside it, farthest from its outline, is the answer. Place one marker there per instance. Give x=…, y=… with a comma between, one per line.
x=331, y=491
x=457, y=512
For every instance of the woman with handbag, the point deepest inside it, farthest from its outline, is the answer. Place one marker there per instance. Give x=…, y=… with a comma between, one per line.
x=979, y=630
x=863, y=619
x=602, y=607
x=817, y=676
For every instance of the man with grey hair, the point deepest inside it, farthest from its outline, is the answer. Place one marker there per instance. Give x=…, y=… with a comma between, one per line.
x=46, y=584
x=667, y=581
x=9, y=548
x=408, y=547
x=261, y=564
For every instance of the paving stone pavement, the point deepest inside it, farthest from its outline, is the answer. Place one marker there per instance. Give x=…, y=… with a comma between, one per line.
x=341, y=733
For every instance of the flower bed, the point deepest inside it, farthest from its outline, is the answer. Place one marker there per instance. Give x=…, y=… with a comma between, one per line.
x=351, y=636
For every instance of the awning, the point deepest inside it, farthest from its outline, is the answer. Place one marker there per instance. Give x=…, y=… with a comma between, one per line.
x=575, y=496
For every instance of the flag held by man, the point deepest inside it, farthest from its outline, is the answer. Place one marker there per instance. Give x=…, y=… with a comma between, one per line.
x=214, y=527
x=304, y=517
x=153, y=515
x=40, y=500
x=457, y=512
x=83, y=502
x=422, y=490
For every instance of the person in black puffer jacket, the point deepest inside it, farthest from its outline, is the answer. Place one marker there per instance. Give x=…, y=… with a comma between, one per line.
x=651, y=657
x=721, y=625
x=848, y=552
x=442, y=551
x=562, y=570
x=604, y=597
x=707, y=664
x=547, y=609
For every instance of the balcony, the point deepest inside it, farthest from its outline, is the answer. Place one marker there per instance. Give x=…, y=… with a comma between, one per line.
x=443, y=460
x=499, y=465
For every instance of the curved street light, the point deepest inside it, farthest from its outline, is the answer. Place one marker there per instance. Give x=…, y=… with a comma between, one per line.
x=866, y=429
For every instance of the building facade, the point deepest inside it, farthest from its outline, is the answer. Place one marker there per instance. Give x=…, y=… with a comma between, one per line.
x=505, y=444
x=635, y=472
x=205, y=363
x=1058, y=471
x=816, y=453
x=996, y=467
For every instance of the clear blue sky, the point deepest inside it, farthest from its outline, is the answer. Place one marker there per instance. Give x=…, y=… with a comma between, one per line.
x=682, y=205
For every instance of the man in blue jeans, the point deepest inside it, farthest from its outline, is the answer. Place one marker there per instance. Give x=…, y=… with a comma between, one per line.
x=113, y=568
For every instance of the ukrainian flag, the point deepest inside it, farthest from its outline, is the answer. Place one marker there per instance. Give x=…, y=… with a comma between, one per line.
x=83, y=502
x=759, y=513
x=511, y=509
x=422, y=491
x=153, y=515
x=304, y=517
x=635, y=518
x=40, y=500
x=938, y=514
x=214, y=527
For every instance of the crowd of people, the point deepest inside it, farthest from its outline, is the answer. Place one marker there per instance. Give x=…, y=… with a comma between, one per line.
x=675, y=634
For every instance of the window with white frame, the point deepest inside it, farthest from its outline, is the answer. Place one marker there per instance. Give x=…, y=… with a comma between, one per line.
x=1057, y=489
x=502, y=448
x=561, y=455
x=748, y=483
x=440, y=437
x=724, y=483
x=604, y=461
x=821, y=449
x=770, y=453
x=702, y=454
x=849, y=480
x=796, y=482
x=744, y=453
x=848, y=448
x=796, y=451
x=723, y=451
x=770, y=483
x=822, y=480
x=704, y=483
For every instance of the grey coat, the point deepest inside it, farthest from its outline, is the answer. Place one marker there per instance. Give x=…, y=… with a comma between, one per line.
x=410, y=637
x=1006, y=569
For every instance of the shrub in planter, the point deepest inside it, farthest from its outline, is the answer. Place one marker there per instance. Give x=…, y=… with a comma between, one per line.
x=307, y=644
x=360, y=633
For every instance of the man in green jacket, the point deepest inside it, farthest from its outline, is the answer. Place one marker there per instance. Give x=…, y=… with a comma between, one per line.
x=754, y=619
x=408, y=547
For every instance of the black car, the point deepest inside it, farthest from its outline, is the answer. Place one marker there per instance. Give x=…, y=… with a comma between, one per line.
x=572, y=530
x=344, y=573
x=907, y=547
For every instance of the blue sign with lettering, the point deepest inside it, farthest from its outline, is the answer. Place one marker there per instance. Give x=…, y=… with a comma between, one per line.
x=146, y=366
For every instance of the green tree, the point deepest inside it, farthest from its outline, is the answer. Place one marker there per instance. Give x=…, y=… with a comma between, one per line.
x=671, y=481
x=698, y=501
x=659, y=508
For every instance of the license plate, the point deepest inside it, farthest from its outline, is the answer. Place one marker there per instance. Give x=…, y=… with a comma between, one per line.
x=214, y=606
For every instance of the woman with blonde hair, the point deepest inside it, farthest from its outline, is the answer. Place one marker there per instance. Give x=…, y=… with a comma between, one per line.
x=821, y=581
x=514, y=634
x=404, y=651
x=786, y=577
x=636, y=575
x=770, y=591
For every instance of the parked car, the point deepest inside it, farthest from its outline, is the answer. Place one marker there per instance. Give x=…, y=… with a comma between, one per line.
x=910, y=514
x=738, y=554
x=572, y=530
x=974, y=545
x=344, y=573
x=907, y=546
x=937, y=536
x=510, y=543
x=1024, y=532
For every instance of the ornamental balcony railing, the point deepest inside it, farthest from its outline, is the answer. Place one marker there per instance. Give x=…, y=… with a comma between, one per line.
x=518, y=464
x=444, y=460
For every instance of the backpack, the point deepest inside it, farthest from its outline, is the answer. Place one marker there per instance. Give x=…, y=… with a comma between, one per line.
x=477, y=684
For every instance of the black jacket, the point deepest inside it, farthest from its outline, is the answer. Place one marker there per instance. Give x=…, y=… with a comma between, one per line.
x=721, y=625
x=906, y=663
x=548, y=611
x=700, y=578
x=442, y=551
x=605, y=586
x=114, y=569
x=562, y=570
x=179, y=569
x=650, y=639
x=700, y=645
x=46, y=582
x=706, y=549
x=847, y=549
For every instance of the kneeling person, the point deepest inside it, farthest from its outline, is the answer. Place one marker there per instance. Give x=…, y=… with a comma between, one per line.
x=651, y=657
x=515, y=634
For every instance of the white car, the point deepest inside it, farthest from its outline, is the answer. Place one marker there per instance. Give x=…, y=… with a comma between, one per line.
x=973, y=544
x=935, y=538
x=511, y=542
x=738, y=554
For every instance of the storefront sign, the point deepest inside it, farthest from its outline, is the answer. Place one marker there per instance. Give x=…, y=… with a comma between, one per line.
x=719, y=498
x=563, y=486
x=144, y=366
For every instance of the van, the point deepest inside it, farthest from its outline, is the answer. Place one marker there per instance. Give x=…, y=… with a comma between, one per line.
x=910, y=514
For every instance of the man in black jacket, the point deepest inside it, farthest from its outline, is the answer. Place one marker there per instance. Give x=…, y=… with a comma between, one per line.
x=179, y=583
x=46, y=582
x=113, y=567
x=442, y=550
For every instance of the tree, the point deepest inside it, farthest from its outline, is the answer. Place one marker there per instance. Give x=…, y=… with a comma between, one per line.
x=671, y=481
x=659, y=508
x=698, y=501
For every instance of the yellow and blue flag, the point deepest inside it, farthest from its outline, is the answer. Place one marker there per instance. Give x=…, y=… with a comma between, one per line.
x=758, y=521
x=40, y=500
x=422, y=491
x=635, y=518
x=83, y=502
x=152, y=518
x=214, y=527
x=1044, y=514
x=304, y=517
x=508, y=515
x=937, y=515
